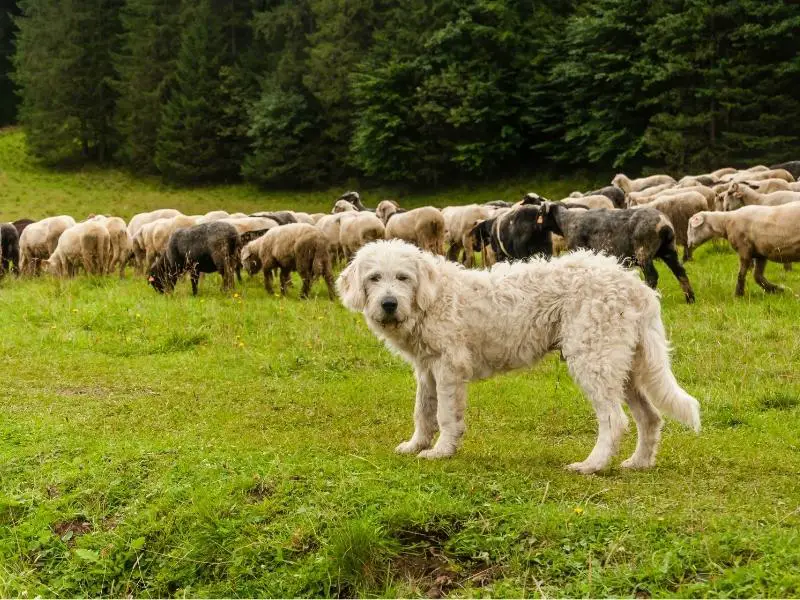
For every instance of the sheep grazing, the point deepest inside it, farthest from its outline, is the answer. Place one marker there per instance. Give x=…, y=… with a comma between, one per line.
x=679, y=208
x=612, y=192
x=9, y=248
x=204, y=248
x=120, y=243
x=39, y=240
x=637, y=185
x=331, y=226
x=459, y=221
x=152, y=239
x=364, y=228
x=748, y=176
x=138, y=221
x=498, y=204
x=423, y=227
x=281, y=217
x=641, y=235
x=646, y=195
x=296, y=247
x=343, y=206
x=87, y=245
x=742, y=195
x=757, y=233
x=793, y=166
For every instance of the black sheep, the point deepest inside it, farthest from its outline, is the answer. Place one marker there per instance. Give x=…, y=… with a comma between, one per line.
x=21, y=224
x=9, y=248
x=206, y=248
x=641, y=235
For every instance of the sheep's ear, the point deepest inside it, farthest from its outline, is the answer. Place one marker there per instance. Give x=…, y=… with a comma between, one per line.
x=697, y=220
x=428, y=282
x=349, y=287
x=734, y=187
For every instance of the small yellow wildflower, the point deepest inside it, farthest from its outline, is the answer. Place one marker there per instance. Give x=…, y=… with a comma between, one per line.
x=578, y=510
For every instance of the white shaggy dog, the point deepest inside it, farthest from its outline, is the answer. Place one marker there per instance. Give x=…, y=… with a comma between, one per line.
x=455, y=325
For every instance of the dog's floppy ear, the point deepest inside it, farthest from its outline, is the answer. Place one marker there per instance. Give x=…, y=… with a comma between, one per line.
x=349, y=287
x=428, y=282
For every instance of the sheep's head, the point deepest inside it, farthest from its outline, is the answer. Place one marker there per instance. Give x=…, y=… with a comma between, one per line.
x=385, y=209
x=734, y=198
x=622, y=182
x=250, y=260
x=343, y=206
x=159, y=276
x=353, y=198
x=532, y=199
x=701, y=229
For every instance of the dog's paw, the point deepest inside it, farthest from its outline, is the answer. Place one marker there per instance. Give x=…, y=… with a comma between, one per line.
x=409, y=447
x=585, y=467
x=434, y=453
x=634, y=462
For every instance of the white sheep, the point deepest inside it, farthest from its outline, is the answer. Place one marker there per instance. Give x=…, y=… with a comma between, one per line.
x=740, y=195
x=354, y=233
x=87, y=245
x=757, y=233
x=343, y=206
x=136, y=223
x=459, y=221
x=39, y=240
x=423, y=227
x=155, y=237
x=637, y=185
x=214, y=215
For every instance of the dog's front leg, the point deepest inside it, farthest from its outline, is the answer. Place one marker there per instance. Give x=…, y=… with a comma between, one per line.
x=424, y=415
x=452, y=394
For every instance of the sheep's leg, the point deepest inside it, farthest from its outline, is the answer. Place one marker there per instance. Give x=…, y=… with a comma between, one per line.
x=687, y=253
x=268, y=280
x=425, y=406
x=670, y=257
x=758, y=275
x=286, y=275
x=328, y=277
x=787, y=266
x=648, y=430
x=194, y=275
x=452, y=252
x=744, y=267
x=650, y=274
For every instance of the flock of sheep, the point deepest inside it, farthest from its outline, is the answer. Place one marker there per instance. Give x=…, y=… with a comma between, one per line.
x=757, y=210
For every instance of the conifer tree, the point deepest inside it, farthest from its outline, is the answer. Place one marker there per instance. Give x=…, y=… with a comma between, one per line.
x=8, y=97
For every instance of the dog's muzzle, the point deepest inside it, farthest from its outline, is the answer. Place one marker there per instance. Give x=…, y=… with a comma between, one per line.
x=389, y=305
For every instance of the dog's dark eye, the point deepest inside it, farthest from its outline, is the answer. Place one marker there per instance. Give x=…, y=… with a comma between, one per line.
x=375, y=278
x=402, y=277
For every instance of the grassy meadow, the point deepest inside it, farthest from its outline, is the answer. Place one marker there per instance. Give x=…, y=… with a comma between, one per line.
x=242, y=445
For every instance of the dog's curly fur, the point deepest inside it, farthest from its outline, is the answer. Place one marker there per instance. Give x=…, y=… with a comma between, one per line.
x=455, y=325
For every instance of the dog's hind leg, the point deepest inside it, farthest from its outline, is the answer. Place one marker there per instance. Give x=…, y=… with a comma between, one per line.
x=605, y=392
x=424, y=415
x=648, y=429
x=452, y=401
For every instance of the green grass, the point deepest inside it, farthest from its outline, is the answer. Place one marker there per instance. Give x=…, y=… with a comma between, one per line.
x=242, y=445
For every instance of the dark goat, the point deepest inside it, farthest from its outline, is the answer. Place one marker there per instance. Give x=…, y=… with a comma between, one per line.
x=516, y=234
x=281, y=217
x=640, y=235
x=9, y=248
x=21, y=224
x=793, y=166
x=206, y=248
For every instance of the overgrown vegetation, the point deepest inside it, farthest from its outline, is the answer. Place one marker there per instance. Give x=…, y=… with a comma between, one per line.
x=241, y=445
x=307, y=92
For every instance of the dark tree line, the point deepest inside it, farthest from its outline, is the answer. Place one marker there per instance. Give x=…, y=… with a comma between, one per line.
x=299, y=92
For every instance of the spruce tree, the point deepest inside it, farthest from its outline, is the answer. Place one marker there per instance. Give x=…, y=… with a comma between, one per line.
x=64, y=71
x=187, y=148
x=145, y=67
x=8, y=97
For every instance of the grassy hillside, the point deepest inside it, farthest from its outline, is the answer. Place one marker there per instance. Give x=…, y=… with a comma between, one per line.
x=241, y=445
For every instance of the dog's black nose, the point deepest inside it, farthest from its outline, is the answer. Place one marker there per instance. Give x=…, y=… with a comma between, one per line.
x=389, y=304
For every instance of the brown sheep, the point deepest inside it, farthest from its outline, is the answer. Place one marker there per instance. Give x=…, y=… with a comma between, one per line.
x=423, y=227
x=364, y=228
x=757, y=233
x=679, y=208
x=39, y=240
x=295, y=247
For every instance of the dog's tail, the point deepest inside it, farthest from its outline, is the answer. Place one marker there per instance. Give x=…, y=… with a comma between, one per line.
x=653, y=376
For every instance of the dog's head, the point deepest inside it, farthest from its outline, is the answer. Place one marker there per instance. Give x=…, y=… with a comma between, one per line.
x=392, y=282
